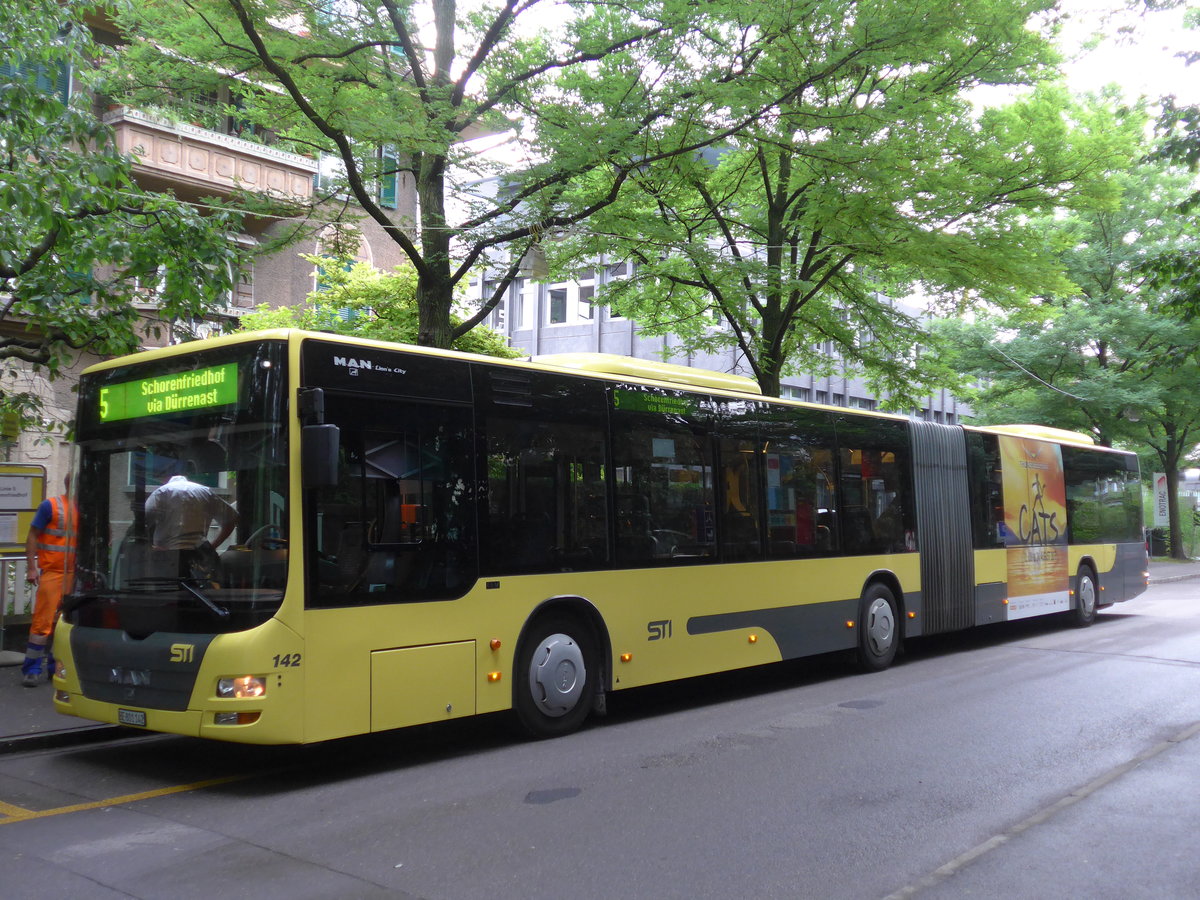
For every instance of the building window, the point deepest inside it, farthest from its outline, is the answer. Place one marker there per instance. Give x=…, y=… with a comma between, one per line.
x=496, y=318
x=587, y=293
x=389, y=177
x=616, y=272
x=243, y=288
x=526, y=304
x=558, y=305
x=789, y=392
x=53, y=79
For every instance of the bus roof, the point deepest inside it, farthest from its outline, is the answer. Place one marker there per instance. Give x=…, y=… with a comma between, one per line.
x=1041, y=432
x=602, y=365
x=651, y=370
x=597, y=364
x=580, y=363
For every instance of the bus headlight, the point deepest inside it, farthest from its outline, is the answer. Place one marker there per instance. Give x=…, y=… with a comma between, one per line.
x=244, y=687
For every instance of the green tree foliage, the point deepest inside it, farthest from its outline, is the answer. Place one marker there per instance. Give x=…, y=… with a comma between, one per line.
x=593, y=92
x=358, y=300
x=79, y=241
x=860, y=185
x=1111, y=358
x=1178, y=128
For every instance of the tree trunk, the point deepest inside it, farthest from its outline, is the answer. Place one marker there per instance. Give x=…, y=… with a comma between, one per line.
x=1170, y=456
x=769, y=382
x=1173, y=518
x=435, y=287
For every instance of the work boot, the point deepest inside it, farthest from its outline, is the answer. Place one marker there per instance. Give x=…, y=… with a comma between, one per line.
x=31, y=679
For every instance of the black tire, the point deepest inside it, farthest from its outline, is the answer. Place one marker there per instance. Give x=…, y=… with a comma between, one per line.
x=1087, y=598
x=878, y=629
x=555, y=676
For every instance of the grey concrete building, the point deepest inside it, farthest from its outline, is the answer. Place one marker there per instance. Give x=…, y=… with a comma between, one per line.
x=540, y=318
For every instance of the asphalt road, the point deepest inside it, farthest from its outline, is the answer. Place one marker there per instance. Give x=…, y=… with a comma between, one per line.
x=1024, y=760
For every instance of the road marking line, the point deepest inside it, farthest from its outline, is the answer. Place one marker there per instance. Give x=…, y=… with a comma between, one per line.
x=7, y=809
x=24, y=815
x=964, y=859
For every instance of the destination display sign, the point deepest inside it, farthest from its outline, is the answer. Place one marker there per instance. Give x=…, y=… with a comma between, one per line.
x=163, y=395
x=664, y=404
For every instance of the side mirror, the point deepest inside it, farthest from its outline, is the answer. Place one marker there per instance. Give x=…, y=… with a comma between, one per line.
x=319, y=455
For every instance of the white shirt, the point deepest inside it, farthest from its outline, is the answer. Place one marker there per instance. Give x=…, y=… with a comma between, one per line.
x=178, y=514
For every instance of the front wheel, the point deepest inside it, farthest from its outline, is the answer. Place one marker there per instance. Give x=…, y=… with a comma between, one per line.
x=1086, y=598
x=555, y=677
x=878, y=629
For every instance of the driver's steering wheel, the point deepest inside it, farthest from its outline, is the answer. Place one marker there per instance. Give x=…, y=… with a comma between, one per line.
x=261, y=539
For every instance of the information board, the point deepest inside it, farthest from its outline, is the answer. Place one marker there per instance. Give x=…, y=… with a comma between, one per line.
x=22, y=489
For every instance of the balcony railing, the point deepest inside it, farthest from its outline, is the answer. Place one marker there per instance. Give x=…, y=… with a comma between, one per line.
x=194, y=161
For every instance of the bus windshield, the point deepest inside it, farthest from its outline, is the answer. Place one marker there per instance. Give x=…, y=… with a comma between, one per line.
x=182, y=494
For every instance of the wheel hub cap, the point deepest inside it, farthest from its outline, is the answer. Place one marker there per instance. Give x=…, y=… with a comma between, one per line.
x=556, y=675
x=1087, y=595
x=881, y=626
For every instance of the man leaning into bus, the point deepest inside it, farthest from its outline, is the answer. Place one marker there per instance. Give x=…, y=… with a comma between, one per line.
x=179, y=515
x=49, y=563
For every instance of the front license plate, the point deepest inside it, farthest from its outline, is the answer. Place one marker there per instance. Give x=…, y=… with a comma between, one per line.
x=131, y=717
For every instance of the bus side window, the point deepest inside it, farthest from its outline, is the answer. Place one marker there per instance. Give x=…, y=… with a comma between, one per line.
x=986, y=484
x=664, y=484
x=802, y=510
x=543, y=472
x=738, y=500
x=399, y=524
x=876, y=487
x=546, y=506
x=1100, y=506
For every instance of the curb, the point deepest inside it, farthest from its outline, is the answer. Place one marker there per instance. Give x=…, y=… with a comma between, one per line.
x=63, y=737
x=1170, y=579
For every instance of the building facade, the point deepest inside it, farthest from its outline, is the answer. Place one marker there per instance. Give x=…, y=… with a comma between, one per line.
x=541, y=318
x=203, y=161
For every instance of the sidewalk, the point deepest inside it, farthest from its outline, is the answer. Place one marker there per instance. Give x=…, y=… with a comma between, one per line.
x=28, y=720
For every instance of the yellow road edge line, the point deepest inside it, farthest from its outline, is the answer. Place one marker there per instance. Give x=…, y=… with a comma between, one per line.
x=7, y=809
x=26, y=815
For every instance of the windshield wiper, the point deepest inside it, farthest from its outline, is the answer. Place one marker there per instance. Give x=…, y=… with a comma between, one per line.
x=73, y=602
x=220, y=611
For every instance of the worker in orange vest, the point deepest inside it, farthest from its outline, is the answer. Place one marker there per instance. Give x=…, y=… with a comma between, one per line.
x=50, y=564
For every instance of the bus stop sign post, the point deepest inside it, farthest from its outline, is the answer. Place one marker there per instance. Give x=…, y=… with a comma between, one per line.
x=22, y=489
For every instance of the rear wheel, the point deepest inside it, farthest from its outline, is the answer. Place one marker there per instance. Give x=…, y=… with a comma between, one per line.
x=555, y=676
x=878, y=628
x=1086, y=597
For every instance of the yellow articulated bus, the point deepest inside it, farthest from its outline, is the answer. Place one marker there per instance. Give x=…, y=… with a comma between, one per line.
x=288, y=537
